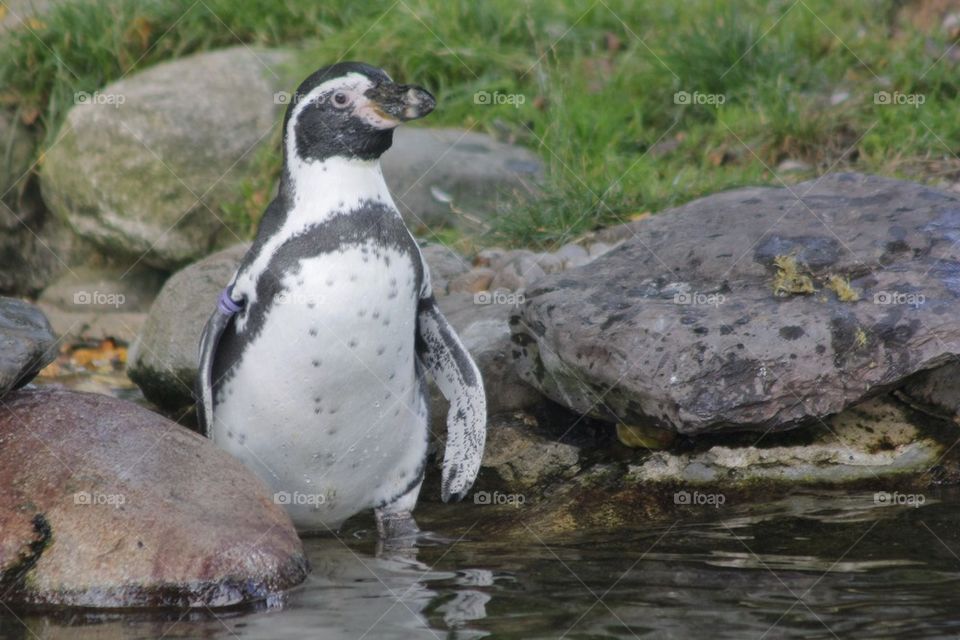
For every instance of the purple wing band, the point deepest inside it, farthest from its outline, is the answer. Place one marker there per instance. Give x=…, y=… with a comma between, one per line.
x=225, y=303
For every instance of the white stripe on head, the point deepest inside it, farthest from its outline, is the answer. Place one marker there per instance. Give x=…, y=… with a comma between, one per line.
x=353, y=82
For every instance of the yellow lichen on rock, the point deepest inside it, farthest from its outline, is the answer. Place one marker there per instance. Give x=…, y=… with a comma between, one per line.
x=789, y=280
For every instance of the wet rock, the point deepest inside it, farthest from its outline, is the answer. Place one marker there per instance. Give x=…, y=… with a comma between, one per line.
x=937, y=389
x=445, y=265
x=27, y=343
x=681, y=327
x=164, y=358
x=870, y=440
x=161, y=149
x=517, y=457
x=434, y=172
x=123, y=508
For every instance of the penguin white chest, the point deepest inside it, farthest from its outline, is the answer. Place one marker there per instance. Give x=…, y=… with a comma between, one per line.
x=325, y=402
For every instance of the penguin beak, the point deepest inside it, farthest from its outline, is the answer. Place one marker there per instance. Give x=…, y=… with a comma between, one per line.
x=400, y=102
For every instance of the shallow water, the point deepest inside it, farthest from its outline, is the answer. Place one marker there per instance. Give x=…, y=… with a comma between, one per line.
x=812, y=565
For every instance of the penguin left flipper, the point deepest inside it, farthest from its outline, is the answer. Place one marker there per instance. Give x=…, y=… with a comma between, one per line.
x=209, y=340
x=458, y=378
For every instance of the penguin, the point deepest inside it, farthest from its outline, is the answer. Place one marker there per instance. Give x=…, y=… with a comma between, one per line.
x=314, y=363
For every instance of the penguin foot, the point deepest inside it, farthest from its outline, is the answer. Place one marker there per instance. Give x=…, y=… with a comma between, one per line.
x=396, y=525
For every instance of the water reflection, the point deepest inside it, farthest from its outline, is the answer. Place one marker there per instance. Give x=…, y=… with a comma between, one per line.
x=813, y=565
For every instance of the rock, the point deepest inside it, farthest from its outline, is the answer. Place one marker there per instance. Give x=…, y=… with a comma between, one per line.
x=487, y=257
x=518, y=458
x=572, y=255
x=434, y=172
x=445, y=265
x=17, y=157
x=518, y=273
x=96, y=302
x=937, y=389
x=680, y=328
x=474, y=281
x=485, y=333
x=597, y=249
x=549, y=262
x=163, y=359
x=107, y=288
x=124, y=326
x=34, y=245
x=27, y=343
x=162, y=149
x=121, y=507
x=865, y=442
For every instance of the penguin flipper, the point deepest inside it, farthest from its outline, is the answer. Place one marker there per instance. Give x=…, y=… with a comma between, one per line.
x=458, y=378
x=209, y=341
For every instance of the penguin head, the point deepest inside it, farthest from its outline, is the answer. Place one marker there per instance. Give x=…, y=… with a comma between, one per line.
x=349, y=109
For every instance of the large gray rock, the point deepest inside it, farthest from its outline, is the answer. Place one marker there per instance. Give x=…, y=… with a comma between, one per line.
x=120, y=507
x=142, y=165
x=27, y=343
x=456, y=178
x=681, y=326
x=163, y=359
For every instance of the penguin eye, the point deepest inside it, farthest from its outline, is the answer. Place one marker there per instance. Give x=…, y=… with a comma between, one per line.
x=340, y=99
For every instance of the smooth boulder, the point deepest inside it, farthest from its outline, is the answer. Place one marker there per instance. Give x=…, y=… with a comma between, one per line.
x=755, y=309
x=110, y=505
x=27, y=343
x=161, y=150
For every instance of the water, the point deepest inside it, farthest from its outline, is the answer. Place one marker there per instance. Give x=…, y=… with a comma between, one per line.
x=809, y=565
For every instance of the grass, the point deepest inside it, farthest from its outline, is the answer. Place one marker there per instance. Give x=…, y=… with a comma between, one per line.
x=797, y=81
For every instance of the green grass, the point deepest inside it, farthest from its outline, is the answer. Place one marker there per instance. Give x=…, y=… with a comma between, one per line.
x=599, y=81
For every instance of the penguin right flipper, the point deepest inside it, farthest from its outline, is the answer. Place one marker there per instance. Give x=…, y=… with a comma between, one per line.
x=209, y=340
x=458, y=378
